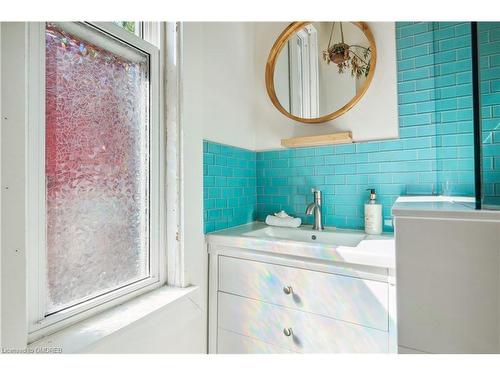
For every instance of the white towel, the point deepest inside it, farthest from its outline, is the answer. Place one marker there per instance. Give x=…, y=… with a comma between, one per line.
x=291, y=222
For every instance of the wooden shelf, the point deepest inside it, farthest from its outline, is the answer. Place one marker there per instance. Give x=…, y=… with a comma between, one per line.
x=318, y=140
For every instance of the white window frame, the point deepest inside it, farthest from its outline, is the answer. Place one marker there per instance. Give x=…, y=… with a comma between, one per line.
x=39, y=324
x=304, y=73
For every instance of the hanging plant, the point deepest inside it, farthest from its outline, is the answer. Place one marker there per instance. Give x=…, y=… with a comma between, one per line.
x=354, y=58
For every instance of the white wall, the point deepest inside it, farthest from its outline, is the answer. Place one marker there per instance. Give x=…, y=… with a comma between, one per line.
x=195, y=252
x=222, y=56
x=0, y=185
x=13, y=271
x=373, y=117
x=232, y=103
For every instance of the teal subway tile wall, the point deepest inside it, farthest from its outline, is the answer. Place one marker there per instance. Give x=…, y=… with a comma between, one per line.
x=229, y=186
x=434, y=154
x=489, y=54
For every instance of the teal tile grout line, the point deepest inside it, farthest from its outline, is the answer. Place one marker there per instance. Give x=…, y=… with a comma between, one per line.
x=433, y=155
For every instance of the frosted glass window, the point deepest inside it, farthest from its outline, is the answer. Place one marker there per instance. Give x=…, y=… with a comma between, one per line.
x=97, y=164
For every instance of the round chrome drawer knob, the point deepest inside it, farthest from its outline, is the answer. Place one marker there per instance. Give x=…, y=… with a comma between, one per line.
x=287, y=332
x=287, y=290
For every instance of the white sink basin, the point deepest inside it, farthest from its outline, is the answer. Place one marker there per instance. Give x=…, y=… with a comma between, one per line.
x=327, y=237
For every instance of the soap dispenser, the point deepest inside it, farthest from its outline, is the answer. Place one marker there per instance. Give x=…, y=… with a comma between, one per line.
x=373, y=214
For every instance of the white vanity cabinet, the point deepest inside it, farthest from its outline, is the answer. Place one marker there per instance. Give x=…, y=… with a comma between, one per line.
x=264, y=301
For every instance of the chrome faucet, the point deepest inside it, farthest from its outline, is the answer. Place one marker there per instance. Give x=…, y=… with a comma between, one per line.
x=315, y=208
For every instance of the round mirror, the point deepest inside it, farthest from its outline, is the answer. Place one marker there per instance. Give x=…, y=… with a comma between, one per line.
x=316, y=71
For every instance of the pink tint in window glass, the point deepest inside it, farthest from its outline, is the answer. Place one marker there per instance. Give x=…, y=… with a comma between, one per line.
x=97, y=166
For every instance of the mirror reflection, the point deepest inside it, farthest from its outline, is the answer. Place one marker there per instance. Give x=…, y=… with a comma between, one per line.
x=321, y=68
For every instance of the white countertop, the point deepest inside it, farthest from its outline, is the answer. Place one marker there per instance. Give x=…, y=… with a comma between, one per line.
x=373, y=250
x=441, y=207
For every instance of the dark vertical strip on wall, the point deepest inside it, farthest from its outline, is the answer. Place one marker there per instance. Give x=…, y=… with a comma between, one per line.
x=476, y=113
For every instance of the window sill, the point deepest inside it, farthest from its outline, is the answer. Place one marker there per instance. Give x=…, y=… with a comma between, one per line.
x=80, y=335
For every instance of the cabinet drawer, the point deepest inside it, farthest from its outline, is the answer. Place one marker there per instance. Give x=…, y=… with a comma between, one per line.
x=311, y=333
x=233, y=343
x=347, y=298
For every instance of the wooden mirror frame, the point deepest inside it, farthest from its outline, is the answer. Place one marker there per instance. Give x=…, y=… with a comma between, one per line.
x=271, y=64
